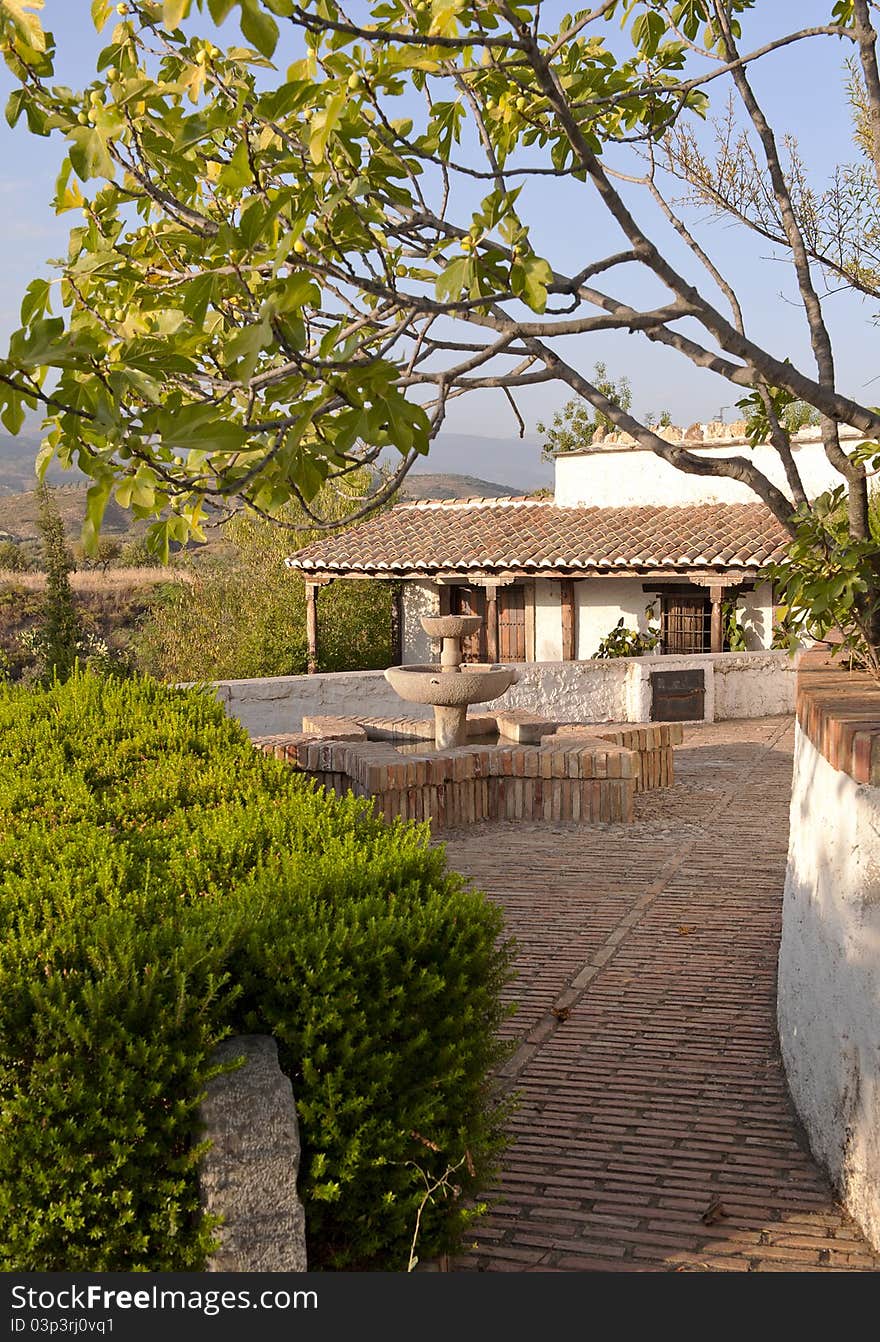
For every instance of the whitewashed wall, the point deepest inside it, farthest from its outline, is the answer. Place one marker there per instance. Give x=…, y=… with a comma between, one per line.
x=600, y=604
x=419, y=598
x=829, y=976
x=617, y=477
x=548, y=621
x=756, y=616
x=738, y=685
x=275, y=704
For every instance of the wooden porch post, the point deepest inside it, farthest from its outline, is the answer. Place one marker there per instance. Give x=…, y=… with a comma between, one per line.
x=716, y=595
x=312, y=625
x=491, y=622
x=566, y=601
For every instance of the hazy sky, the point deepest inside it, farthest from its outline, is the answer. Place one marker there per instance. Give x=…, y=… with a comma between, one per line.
x=803, y=92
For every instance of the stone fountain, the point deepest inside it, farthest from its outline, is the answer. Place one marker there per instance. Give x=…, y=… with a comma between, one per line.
x=448, y=687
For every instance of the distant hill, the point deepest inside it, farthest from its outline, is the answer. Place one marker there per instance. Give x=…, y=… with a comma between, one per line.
x=17, y=457
x=515, y=459
x=451, y=486
x=18, y=514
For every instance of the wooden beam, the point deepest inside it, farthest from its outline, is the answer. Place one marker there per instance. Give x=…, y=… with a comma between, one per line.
x=566, y=599
x=312, y=626
x=445, y=600
x=662, y=588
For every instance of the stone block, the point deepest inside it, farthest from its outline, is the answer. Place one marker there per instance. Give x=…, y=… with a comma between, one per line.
x=523, y=728
x=248, y=1175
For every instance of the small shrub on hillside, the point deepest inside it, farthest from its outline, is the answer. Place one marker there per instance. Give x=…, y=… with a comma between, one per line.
x=55, y=644
x=14, y=558
x=163, y=884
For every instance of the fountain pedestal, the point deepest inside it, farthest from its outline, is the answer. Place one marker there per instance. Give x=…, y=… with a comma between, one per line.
x=450, y=726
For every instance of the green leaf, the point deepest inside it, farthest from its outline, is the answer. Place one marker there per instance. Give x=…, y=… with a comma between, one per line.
x=15, y=105
x=323, y=125
x=237, y=172
x=242, y=350
x=221, y=9
x=44, y=458
x=96, y=503
x=174, y=12
x=648, y=32
x=529, y=279
x=36, y=301
x=26, y=24
x=101, y=11
x=451, y=282
x=259, y=28
x=89, y=155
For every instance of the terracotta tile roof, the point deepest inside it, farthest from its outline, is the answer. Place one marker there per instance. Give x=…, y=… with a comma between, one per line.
x=493, y=535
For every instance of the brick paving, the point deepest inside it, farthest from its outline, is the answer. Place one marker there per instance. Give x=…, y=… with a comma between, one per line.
x=653, y=1130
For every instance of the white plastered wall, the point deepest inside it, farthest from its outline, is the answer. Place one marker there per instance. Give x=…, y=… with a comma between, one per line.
x=619, y=477
x=419, y=598
x=829, y=976
x=756, y=616
x=600, y=604
x=548, y=621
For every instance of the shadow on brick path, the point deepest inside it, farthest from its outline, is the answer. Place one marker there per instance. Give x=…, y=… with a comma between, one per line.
x=654, y=1130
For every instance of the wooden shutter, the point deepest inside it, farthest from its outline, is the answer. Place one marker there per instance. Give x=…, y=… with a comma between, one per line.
x=511, y=624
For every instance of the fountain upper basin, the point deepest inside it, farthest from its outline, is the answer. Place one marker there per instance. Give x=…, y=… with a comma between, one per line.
x=451, y=626
x=475, y=683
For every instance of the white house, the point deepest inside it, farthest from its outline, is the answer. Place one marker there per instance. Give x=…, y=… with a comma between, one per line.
x=626, y=535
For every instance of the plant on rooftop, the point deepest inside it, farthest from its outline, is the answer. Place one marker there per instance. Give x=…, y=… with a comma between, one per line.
x=298, y=248
x=163, y=884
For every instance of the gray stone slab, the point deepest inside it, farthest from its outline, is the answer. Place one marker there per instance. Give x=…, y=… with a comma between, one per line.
x=248, y=1176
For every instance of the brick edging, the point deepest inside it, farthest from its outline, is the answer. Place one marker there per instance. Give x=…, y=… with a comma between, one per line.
x=839, y=710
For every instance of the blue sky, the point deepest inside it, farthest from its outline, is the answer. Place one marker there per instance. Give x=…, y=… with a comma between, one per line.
x=802, y=90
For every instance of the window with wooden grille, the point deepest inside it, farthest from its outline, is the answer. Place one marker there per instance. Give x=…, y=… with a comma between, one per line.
x=686, y=624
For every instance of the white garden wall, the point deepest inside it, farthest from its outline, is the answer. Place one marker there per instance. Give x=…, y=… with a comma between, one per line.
x=829, y=976
x=738, y=685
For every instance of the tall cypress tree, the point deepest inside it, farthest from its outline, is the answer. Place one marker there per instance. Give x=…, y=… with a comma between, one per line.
x=60, y=631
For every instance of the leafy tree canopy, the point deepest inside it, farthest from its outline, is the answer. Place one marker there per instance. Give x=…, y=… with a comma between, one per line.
x=295, y=249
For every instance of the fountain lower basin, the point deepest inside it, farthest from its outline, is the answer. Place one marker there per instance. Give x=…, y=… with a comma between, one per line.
x=475, y=683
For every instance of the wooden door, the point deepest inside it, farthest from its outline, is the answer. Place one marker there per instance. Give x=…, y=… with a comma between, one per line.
x=511, y=624
x=471, y=601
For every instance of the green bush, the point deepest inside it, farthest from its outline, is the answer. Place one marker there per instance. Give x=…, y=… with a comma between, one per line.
x=163, y=884
x=244, y=614
x=623, y=642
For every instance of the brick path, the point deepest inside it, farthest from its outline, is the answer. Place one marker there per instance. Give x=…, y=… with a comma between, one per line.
x=654, y=1131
